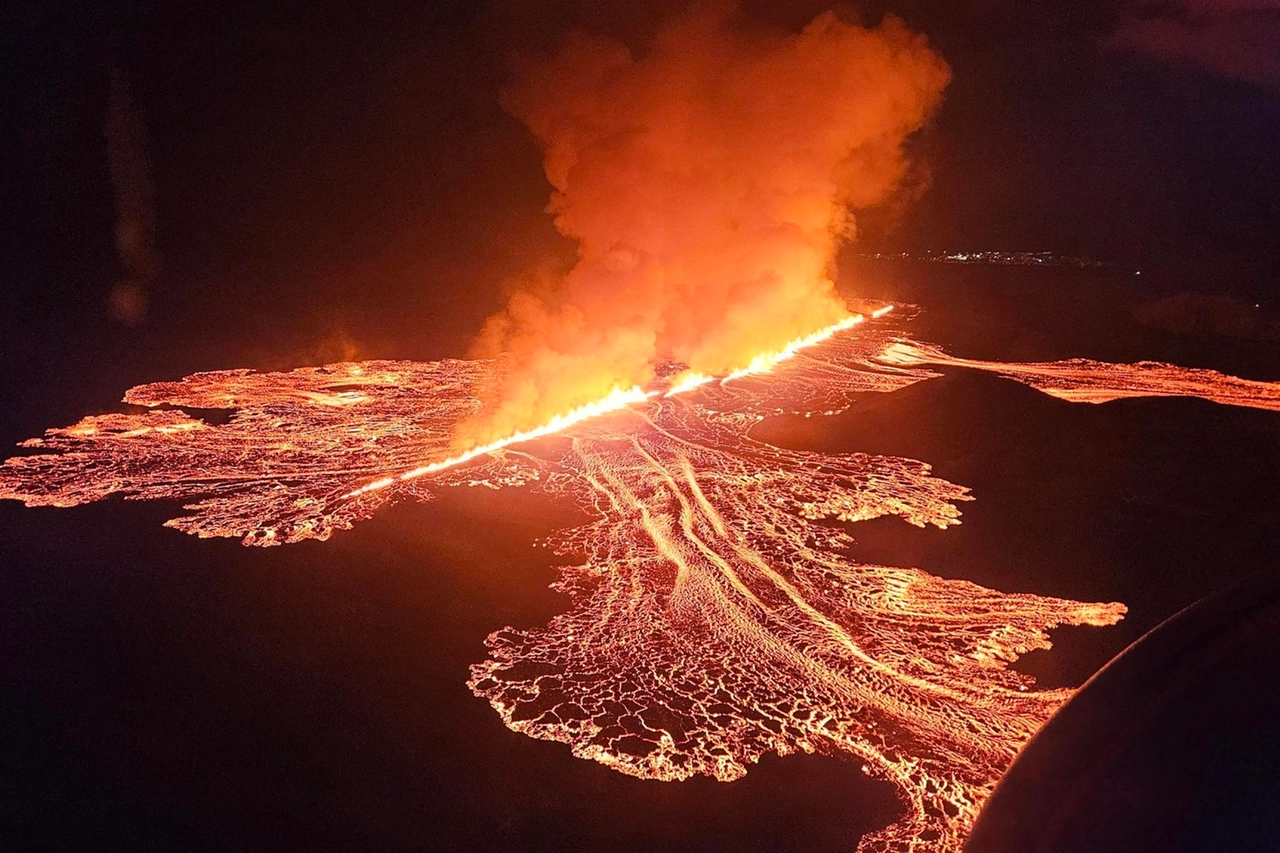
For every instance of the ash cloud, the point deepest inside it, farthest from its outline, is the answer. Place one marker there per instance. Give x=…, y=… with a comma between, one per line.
x=708, y=182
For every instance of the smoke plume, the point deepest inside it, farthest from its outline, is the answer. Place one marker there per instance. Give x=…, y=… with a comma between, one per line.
x=709, y=183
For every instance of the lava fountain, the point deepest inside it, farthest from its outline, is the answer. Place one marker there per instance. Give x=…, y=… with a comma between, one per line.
x=715, y=612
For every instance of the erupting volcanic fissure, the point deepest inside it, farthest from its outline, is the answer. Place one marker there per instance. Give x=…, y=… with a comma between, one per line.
x=716, y=610
x=617, y=399
x=707, y=181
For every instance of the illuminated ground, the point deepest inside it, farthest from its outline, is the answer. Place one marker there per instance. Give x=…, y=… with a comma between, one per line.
x=716, y=617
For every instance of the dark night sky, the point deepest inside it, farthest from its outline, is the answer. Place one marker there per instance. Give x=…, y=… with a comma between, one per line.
x=343, y=171
x=338, y=179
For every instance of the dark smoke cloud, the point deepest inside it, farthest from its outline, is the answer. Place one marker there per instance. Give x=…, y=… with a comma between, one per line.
x=708, y=183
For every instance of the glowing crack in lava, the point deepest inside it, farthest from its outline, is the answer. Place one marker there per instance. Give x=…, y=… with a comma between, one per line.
x=716, y=613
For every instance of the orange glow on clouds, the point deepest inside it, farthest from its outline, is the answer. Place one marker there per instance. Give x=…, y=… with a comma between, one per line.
x=708, y=181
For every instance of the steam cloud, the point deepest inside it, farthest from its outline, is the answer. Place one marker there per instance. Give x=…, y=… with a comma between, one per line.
x=709, y=184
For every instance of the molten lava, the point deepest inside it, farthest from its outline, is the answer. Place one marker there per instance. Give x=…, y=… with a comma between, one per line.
x=1082, y=380
x=716, y=612
x=615, y=400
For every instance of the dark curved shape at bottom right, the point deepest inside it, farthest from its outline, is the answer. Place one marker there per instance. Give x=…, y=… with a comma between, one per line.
x=1173, y=746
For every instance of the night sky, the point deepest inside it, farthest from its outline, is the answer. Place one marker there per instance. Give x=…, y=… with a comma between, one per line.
x=343, y=173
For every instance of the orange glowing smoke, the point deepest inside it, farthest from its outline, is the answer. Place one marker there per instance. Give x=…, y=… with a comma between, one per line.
x=715, y=614
x=708, y=183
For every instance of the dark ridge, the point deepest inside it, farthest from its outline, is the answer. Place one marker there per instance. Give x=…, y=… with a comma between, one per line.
x=1154, y=502
x=935, y=420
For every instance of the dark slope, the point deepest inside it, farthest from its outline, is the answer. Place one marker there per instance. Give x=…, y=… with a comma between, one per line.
x=1153, y=502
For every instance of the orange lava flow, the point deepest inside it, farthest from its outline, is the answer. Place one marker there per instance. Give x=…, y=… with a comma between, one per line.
x=1082, y=380
x=716, y=610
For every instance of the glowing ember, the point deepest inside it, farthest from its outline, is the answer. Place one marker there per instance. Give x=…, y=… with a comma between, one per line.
x=716, y=613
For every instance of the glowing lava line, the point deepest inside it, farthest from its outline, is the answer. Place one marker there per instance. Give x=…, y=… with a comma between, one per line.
x=612, y=402
x=766, y=362
x=687, y=382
